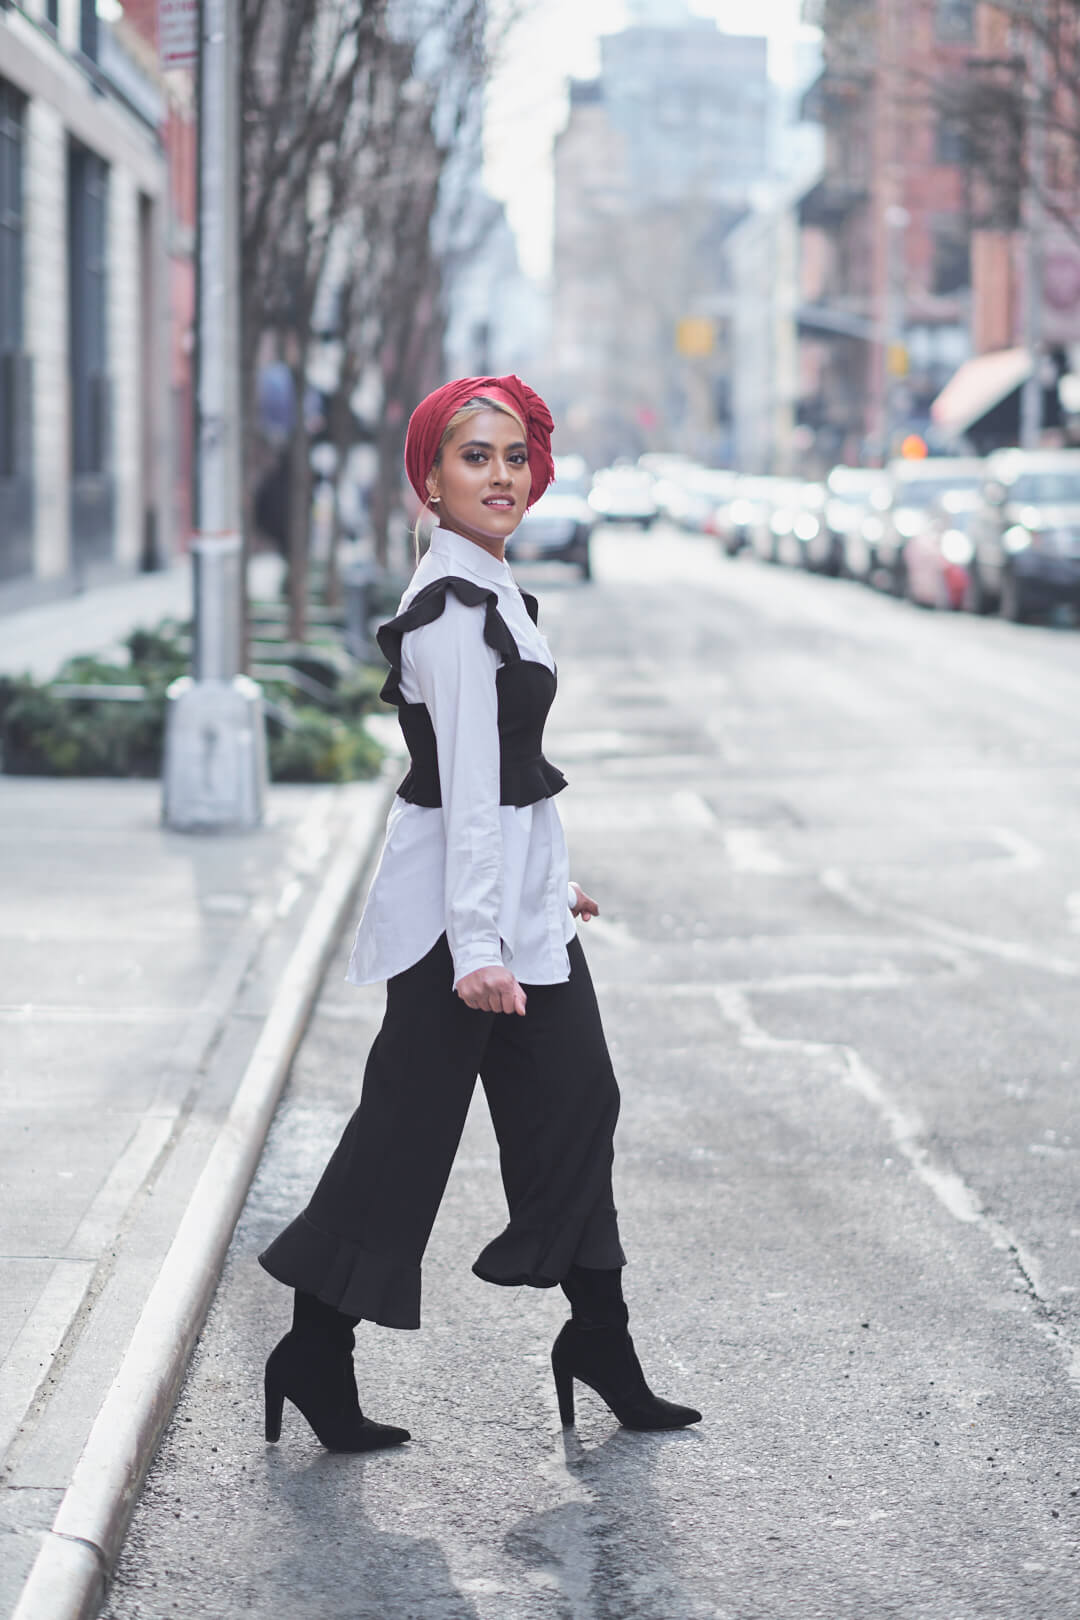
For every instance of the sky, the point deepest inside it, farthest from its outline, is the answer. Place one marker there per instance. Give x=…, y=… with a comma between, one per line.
x=555, y=40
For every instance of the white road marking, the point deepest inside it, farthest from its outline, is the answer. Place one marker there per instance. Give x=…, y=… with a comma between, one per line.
x=1024, y=856
x=692, y=810
x=748, y=851
x=908, y=1133
x=839, y=884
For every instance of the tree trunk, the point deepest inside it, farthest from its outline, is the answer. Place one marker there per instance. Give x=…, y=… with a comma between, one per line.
x=299, y=509
x=341, y=439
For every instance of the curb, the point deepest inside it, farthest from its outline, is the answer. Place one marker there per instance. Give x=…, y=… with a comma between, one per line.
x=69, y=1577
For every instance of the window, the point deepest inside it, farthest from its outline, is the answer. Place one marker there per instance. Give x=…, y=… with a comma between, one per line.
x=88, y=29
x=88, y=204
x=11, y=271
x=955, y=21
x=952, y=260
x=951, y=142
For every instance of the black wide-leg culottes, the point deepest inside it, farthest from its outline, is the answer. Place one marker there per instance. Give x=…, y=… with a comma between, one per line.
x=554, y=1101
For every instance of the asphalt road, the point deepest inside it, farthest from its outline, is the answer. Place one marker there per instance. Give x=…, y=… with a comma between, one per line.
x=834, y=840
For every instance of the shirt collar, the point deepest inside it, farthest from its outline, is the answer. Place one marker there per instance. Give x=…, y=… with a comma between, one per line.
x=466, y=554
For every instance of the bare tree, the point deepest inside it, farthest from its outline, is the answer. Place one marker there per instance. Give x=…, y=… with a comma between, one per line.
x=310, y=76
x=353, y=109
x=411, y=196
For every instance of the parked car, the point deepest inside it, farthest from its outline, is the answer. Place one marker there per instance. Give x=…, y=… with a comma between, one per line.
x=700, y=495
x=673, y=477
x=559, y=527
x=914, y=487
x=848, y=494
x=624, y=495
x=733, y=518
x=798, y=524
x=1026, y=534
x=937, y=560
x=860, y=539
x=788, y=518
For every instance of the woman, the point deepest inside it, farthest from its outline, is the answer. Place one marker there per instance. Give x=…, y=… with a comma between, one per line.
x=471, y=920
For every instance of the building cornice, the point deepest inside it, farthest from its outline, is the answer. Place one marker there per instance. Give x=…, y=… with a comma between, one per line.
x=92, y=110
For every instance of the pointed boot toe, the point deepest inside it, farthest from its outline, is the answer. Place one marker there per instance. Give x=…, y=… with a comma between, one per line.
x=604, y=1358
x=317, y=1378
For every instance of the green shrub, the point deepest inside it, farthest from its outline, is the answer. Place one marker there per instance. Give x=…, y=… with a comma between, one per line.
x=323, y=748
x=44, y=734
x=358, y=693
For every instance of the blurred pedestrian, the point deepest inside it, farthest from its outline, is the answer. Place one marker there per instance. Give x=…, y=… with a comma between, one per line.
x=471, y=920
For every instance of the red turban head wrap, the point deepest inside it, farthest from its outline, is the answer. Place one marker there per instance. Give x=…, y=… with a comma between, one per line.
x=427, y=425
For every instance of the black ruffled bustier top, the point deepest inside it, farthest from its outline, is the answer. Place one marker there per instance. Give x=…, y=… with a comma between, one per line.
x=525, y=691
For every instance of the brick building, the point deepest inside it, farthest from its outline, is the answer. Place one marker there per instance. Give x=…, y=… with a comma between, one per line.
x=887, y=299
x=91, y=256
x=917, y=245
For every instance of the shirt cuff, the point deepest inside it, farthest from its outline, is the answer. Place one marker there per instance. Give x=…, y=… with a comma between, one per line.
x=481, y=955
x=571, y=896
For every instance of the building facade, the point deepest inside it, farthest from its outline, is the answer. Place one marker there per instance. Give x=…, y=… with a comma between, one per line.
x=886, y=256
x=763, y=252
x=654, y=167
x=85, y=298
x=494, y=314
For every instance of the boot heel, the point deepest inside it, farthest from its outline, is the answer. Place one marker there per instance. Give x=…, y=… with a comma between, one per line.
x=275, y=1402
x=564, y=1390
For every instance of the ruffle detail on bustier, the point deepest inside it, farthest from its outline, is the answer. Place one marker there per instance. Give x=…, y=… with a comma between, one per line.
x=526, y=689
x=520, y=784
x=427, y=606
x=380, y=1288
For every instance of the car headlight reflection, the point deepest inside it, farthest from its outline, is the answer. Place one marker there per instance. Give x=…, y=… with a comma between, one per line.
x=1016, y=539
x=908, y=520
x=956, y=547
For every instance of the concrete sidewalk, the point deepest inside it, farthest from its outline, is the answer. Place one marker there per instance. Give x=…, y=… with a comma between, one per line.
x=37, y=640
x=152, y=989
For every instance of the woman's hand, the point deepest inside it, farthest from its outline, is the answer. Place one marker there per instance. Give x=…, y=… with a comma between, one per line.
x=492, y=989
x=585, y=908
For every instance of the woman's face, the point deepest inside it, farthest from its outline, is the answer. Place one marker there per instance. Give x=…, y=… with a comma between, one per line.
x=483, y=479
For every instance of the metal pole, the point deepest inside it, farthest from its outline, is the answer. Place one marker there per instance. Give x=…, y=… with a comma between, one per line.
x=897, y=220
x=215, y=748
x=1034, y=221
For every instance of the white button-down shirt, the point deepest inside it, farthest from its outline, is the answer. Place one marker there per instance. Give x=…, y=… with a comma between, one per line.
x=494, y=877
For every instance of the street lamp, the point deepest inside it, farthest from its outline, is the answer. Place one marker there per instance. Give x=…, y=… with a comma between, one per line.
x=214, y=776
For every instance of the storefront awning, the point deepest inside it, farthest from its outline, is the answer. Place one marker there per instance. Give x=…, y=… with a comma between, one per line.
x=977, y=387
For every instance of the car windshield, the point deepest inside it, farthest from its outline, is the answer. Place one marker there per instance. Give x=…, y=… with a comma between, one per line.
x=925, y=491
x=1045, y=488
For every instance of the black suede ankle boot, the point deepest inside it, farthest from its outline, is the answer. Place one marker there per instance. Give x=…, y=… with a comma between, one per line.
x=595, y=1347
x=312, y=1367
